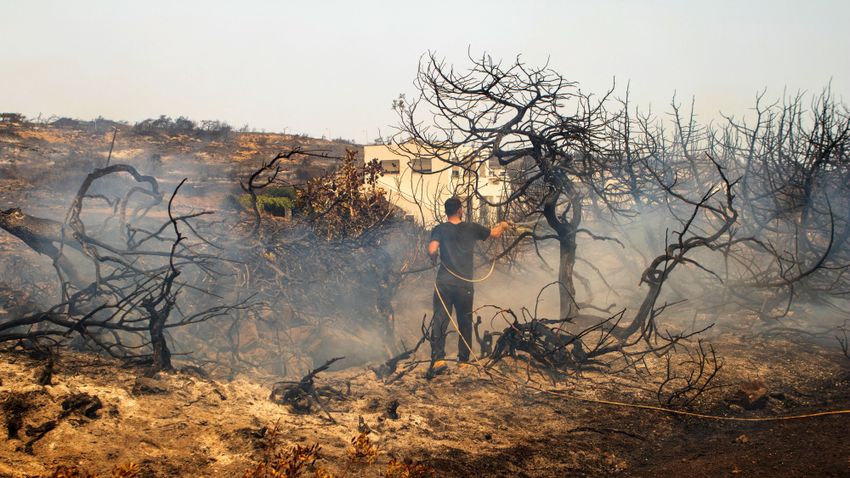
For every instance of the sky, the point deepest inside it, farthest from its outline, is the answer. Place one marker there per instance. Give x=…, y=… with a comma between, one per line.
x=332, y=68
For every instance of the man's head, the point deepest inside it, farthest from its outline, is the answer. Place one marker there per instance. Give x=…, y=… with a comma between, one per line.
x=453, y=206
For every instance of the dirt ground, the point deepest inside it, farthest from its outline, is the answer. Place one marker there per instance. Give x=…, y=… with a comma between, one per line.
x=462, y=423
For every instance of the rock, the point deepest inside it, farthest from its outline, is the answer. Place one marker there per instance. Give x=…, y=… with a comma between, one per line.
x=751, y=395
x=149, y=386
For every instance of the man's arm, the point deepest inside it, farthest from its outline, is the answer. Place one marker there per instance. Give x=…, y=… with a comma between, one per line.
x=433, y=250
x=497, y=230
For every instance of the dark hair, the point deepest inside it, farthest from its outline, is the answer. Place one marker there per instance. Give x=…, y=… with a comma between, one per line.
x=452, y=205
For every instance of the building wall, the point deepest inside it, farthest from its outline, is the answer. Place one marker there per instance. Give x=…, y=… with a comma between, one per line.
x=420, y=188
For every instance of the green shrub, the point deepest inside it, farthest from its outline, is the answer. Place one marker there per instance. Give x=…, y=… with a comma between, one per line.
x=280, y=192
x=274, y=205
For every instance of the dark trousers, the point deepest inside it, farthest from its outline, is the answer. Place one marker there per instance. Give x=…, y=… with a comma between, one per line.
x=459, y=299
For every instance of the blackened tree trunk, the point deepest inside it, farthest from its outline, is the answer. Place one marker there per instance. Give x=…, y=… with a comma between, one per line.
x=567, y=294
x=156, y=328
x=556, y=212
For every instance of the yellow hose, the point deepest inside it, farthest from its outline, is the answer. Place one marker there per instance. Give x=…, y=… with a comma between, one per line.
x=562, y=394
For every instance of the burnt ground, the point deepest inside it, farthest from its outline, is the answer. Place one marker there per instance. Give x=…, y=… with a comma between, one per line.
x=461, y=424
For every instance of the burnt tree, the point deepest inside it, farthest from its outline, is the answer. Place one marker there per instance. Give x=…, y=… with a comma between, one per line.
x=129, y=275
x=533, y=122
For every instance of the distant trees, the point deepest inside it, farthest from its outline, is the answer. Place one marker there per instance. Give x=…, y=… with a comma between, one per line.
x=97, y=125
x=182, y=125
x=12, y=118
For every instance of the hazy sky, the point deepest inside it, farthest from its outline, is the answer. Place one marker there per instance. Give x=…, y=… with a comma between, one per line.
x=333, y=67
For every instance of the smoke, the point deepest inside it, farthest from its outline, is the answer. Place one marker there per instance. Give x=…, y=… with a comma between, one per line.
x=314, y=299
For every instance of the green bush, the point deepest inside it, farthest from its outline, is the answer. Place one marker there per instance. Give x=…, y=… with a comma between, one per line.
x=275, y=205
x=280, y=192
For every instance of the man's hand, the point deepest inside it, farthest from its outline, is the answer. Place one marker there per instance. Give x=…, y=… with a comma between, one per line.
x=497, y=230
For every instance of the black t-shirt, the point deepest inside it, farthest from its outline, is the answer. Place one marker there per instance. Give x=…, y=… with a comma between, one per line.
x=456, y=245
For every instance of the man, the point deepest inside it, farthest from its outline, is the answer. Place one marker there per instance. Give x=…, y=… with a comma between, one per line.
x=454, y=241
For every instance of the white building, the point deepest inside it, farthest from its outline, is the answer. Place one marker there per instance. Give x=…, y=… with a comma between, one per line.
x=420, y=183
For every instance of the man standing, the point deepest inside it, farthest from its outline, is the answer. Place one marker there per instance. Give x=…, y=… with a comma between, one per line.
x=454, y=240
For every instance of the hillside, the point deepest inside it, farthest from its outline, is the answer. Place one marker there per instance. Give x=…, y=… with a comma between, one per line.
x=56, y=156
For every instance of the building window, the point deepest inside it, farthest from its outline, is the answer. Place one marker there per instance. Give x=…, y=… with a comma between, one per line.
x=421, y=165
x=390, y=166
